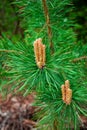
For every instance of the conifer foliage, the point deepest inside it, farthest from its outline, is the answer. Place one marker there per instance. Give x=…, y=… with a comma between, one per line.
x=50, y=68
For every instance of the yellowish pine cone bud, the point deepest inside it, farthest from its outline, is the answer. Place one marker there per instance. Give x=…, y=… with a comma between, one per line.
x=63, y=93
x=39, y=51
x=68, y=96
x=67, y=84
x=66, y=93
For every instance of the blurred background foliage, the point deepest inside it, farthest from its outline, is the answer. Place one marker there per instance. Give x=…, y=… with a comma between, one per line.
x=80, y=16
x=10, y=20
x=13, y=28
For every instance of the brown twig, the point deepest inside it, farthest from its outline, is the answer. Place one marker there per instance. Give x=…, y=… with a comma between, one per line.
x=80, y=58
x=48, y=24
x=28, y=121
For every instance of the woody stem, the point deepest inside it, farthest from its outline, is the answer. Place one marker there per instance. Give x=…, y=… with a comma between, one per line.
x=46, y=13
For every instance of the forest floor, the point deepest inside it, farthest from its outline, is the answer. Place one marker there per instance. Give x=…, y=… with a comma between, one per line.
x=17, y=112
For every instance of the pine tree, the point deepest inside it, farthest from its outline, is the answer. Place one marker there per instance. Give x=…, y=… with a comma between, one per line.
x=49, y=63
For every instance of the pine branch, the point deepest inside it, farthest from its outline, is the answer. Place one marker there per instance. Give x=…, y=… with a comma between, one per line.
x=48, y=24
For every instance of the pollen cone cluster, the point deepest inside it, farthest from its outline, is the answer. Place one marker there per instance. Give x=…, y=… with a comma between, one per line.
x=39, y=50
x=66, y=93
